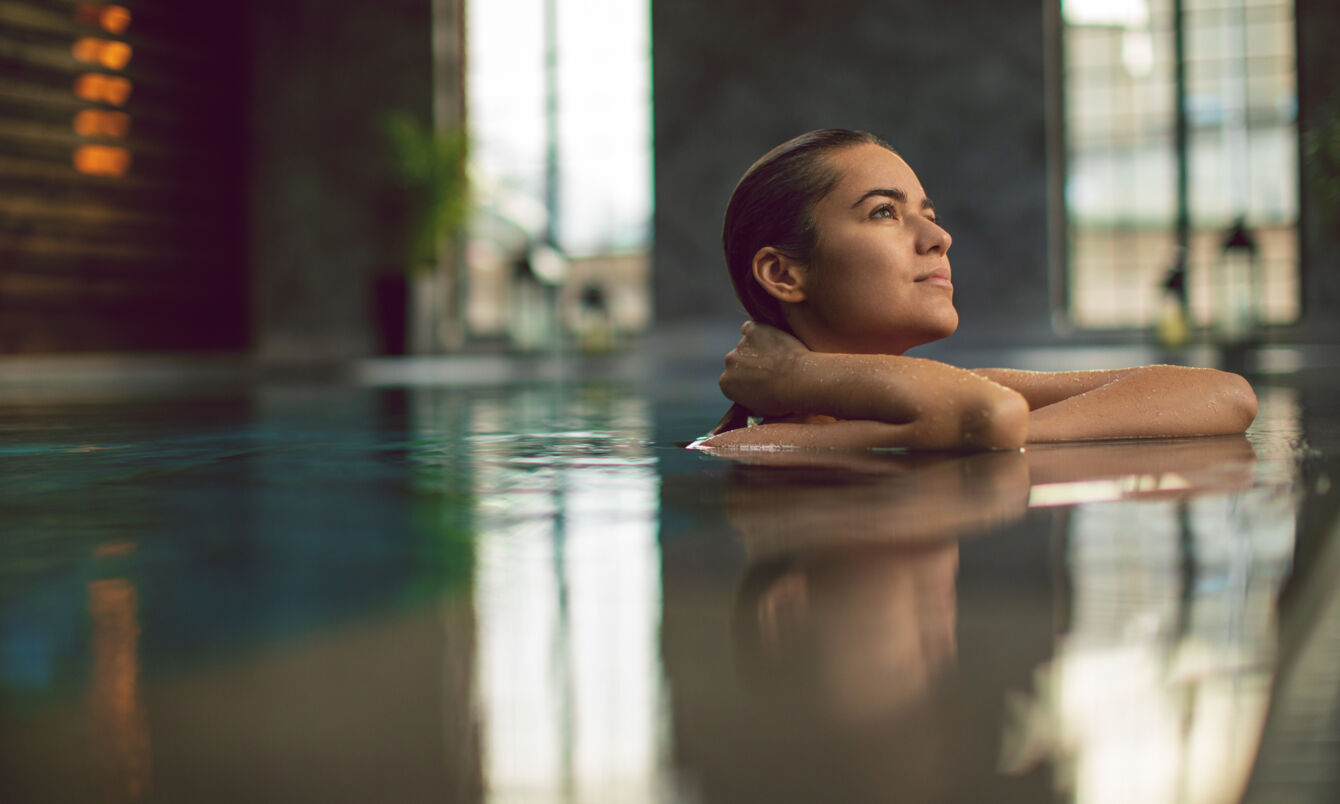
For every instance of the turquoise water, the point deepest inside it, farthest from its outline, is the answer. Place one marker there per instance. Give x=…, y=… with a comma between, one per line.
x=531, y=592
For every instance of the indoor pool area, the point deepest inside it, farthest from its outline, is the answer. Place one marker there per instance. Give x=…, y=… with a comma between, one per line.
x=358, y=363
x=390, y=587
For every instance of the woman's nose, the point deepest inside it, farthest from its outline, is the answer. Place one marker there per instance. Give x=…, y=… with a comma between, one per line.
x=932, y=237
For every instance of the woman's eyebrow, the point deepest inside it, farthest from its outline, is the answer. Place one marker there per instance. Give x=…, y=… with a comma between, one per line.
x=895, y=194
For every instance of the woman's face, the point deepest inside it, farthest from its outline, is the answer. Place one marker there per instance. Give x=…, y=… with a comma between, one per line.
x=878, y=280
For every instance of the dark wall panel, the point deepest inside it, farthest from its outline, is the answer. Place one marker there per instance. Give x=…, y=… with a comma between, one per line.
x=958, y=88
x=1318, y=96
x=323, y=198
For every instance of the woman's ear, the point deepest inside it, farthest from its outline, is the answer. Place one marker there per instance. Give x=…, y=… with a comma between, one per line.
x=782, y=277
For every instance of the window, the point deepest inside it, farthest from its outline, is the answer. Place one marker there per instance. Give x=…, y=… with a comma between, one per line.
x=1119, y=125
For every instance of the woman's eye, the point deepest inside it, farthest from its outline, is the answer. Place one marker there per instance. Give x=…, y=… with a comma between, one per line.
x=882, y=211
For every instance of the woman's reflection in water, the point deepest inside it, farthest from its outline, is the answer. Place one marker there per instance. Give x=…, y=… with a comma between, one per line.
x=845, y=620
x=849, y=598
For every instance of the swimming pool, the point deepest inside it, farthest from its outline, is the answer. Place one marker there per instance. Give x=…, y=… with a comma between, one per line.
x=529, y=591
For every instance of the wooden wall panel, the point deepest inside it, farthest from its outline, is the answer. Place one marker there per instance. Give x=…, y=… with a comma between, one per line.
x=140, y=245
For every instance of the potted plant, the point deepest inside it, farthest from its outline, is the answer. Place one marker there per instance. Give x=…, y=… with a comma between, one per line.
x=419, y=302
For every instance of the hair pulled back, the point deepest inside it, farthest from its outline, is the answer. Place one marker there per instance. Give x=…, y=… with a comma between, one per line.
x=773, y=205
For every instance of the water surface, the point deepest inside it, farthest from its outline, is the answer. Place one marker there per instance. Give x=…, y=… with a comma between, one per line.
x=530, y=592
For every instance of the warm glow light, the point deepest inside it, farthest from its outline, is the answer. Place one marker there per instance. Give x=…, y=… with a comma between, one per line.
x=97, y=123
x=86, y=49
x=115, y=55
x=108, y=52
x=99, y=88
x=113, y=19
x=101, y=160
x=117, y=723
x=114, y=549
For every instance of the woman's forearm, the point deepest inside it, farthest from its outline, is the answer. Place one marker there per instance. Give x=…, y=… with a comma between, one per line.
x=937, y=406
x=1150, y=402
x=773, y=375
x=884, y=388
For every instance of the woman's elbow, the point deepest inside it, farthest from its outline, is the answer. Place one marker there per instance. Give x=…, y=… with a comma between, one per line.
x=1242, y=401
x=997, y=422
x=1225, y=398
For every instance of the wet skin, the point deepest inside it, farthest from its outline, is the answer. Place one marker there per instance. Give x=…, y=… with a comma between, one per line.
x=879, y=283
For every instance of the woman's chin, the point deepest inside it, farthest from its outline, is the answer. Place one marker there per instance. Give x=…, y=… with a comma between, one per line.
x=890, y=338
x=950, y=324
x=940, y=328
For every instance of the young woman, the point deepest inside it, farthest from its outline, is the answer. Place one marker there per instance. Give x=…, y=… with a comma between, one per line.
x=836, y=254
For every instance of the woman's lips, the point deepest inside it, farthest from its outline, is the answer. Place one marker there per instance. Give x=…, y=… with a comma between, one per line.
x=940, y=276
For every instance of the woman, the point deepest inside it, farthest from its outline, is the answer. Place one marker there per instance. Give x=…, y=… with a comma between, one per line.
x=836, y=254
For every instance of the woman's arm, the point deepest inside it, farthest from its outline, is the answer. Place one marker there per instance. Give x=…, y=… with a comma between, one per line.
x=1143, y=402
x=884, y=400
x=773, y=374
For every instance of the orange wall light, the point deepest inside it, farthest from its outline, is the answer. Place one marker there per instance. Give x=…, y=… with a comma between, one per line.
x=98, y=88
x=109, y=53
x=102, y=160
x=99, y=123
x=113, y=19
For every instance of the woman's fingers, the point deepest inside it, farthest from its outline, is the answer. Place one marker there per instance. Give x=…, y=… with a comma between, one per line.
x=768, y=339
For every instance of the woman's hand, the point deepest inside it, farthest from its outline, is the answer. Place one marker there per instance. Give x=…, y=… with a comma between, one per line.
x=862, y=400
x=761, y=369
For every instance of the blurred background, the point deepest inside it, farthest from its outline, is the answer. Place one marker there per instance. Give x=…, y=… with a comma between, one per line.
x=438, y=577
x=323, y=181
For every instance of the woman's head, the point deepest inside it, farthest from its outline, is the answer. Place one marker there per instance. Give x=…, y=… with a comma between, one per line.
x=773, y=205
x=845, y=274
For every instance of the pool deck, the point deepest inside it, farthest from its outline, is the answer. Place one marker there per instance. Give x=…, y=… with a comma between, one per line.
x=682, y=353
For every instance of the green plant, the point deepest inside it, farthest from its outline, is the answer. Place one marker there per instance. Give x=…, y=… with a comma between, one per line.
x=430, y=166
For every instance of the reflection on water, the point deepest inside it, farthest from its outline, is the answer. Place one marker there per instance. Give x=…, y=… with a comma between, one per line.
x=849, y=596
x=1159, y=683
x=567, y=593
x=1167, y=559
x=120, y=735
x=531, y=593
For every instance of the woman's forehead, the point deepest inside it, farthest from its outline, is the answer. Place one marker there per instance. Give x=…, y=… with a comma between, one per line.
x=866, y=167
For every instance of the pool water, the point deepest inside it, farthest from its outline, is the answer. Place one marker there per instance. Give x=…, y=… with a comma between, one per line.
x=326, y=592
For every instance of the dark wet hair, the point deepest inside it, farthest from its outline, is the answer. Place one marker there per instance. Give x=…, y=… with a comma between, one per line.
x=773, y=205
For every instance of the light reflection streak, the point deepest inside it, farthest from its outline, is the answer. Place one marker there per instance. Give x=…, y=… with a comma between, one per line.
x=568, y=597
x=116, y=713
x=1045, y=495
x=1159, y=686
